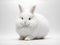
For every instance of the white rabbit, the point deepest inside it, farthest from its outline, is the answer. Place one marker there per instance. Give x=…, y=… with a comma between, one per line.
x=30, y=25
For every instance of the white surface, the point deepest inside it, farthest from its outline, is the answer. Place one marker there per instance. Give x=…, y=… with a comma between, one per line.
x=53, y=39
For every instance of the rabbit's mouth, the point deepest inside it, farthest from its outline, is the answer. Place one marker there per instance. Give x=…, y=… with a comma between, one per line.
x=25, y=25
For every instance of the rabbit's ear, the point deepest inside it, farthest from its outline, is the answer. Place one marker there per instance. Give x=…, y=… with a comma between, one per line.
x=33, y=9
x=20, y=8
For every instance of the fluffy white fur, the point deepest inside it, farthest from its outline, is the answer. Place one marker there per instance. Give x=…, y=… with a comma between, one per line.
x=37, y=27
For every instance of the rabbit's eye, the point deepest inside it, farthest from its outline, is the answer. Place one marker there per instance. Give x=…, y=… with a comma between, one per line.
x=22, y=18
x=29, y=18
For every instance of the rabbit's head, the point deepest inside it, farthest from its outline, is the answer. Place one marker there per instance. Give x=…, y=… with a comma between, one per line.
x=27, y=18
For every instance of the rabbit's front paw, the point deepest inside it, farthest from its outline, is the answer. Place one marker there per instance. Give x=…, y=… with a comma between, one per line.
x=29, y=38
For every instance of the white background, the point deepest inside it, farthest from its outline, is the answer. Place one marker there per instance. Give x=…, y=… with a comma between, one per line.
x=9, y=10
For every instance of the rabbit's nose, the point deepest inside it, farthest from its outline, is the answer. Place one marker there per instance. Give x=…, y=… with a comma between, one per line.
x=24, y=22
